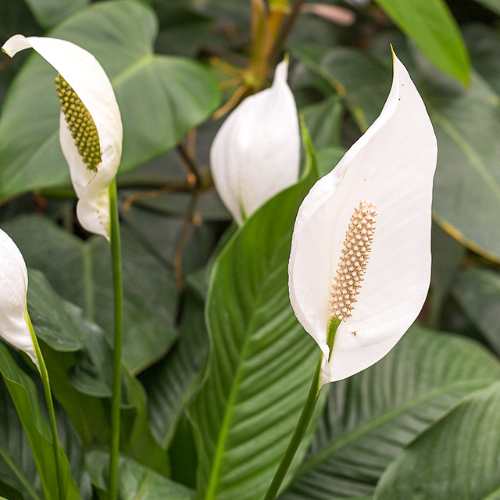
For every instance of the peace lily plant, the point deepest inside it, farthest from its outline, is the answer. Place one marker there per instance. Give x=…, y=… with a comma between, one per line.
x=16, y=328
x=90, y=134
x=256, y=152
x=360, y=262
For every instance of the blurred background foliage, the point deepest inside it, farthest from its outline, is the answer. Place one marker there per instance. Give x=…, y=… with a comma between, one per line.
x=177, y=67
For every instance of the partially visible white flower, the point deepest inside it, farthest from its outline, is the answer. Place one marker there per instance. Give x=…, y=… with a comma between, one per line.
x=90, y=129
x=361, y=243
x=256, y=152
x=13, y=291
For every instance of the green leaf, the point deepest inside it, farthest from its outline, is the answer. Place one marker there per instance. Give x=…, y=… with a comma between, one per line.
x=324, y=122
x=81, y=272
x=25, y=398
x=88, y=370
x=51, y=12
x=160, y=97
x=447, y=256
x=467, y=124
x=430, y=24
x=136, y=481
x=455, y=458
x=17, y=468
x=493, y=5
x=171, y=383
x=261, y=362
x=371, y=417
x=478, y=292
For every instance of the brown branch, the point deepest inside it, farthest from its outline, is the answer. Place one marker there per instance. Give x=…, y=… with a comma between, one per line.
x=194, y=177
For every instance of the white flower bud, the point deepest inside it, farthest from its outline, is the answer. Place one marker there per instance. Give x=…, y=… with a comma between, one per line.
x=256, y=152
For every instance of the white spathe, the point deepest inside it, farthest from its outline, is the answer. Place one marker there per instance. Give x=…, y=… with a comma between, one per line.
x=256, y=152
x=391, y=166
x=14, y=280
x=89, y=81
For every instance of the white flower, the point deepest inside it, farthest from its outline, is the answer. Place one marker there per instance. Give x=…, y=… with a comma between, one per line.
x=256, y=152
x=361, y=243
x=13, y=310
x=90, y=129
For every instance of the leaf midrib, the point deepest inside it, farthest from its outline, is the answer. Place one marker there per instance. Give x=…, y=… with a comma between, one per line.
x=223, y=433
x=379, y=421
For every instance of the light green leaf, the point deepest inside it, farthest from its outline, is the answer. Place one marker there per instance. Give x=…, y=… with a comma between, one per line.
x=136, y=481
x=430, y=24
x=371, y=417
x=478, y=292
x=51, y=12
x=160, y=97
x=455, y=458
x=81, y=273
x=171, y=383
x=261, y=361
x=25, y=398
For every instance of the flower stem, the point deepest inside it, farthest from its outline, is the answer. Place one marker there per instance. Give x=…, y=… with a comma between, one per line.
x=116, y=262
x=44, y=375
x=304, y=420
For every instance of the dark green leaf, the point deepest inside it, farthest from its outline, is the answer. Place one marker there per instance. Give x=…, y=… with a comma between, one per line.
x=136, y=481
x=372, y=416
x=81, y=272
x=455, y=458
x=171, y=383
x=478, y=292
x=180, y=95
x=51, y=12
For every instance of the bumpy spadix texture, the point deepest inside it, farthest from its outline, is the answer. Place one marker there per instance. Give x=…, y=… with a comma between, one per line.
x=353, y=261
x=90, y=127
x=13, y=290
x=256, y=152
x=361, y=242
x=80, y=123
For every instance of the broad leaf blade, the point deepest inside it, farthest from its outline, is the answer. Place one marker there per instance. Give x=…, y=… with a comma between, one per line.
x=81, y=272
x=261, y=362
x=371, y=417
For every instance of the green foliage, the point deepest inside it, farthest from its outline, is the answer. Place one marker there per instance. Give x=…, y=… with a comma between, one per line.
x=30, y=156
x=216, y=367
x=437, y=465
x=430, y=24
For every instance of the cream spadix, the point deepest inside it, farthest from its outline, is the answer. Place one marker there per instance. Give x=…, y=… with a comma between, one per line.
x=256, y=152
x=90, y=128
x=361, y=243
x=13, y=302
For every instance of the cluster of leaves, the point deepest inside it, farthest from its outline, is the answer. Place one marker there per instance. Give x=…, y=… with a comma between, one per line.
x=217, y=369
